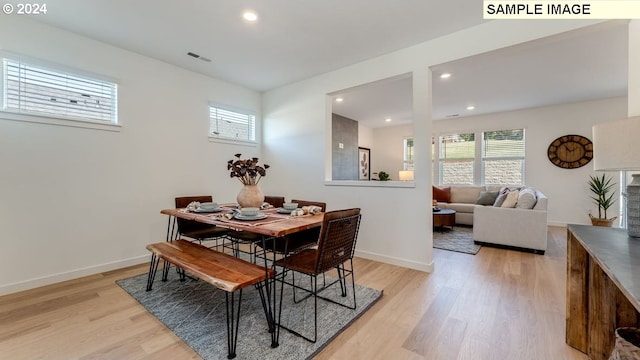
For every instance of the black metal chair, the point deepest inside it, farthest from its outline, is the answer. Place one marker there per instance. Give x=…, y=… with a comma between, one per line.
x=299, y=240
x=336, y=246
x=196, y=230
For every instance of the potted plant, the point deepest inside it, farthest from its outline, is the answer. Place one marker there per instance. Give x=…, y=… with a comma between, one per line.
x=602, y=188
x=383, y=176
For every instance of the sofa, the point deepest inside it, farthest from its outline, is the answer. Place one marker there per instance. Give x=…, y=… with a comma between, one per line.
x=462, y=199
x=518, y=220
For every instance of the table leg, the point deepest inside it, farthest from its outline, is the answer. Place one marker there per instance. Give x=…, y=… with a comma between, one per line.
x=270, y=293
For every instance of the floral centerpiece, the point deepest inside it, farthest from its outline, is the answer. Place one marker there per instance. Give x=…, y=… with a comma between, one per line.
x=247, y=171
x=249, y=174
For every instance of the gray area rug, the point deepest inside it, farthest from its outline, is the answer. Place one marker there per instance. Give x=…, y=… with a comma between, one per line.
x=459, y=239
x=195, y=312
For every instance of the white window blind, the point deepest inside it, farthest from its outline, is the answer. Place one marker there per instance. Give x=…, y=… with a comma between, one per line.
x=503, y=157
x=228, y=124
x=457, y=156
x=39, y=91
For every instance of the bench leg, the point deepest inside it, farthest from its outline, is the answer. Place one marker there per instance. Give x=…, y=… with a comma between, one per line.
x=270, y=321
x=233, y=319
x=165, y=270
x=153, y=267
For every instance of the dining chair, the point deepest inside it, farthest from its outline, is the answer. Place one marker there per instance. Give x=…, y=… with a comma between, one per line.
x=336, y=246
x=197, y=230
x=298, y=240
x=275, y=201
x=237, y=237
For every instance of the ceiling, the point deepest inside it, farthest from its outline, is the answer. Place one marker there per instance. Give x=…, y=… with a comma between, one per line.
x=295, y=40
x=292, y=39
x=581, y=65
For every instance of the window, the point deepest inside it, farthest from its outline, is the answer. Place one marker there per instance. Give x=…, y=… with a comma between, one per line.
x=457, y=157
x=408, y=154
x=228, y=124
x=40, y=91
x=503, y=157
x=498, y=159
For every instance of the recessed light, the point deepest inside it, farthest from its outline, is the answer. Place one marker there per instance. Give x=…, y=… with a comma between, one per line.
x=445, y=75
x=250, y=15
x=387, y=120
x=339, y=99
x=470, y=107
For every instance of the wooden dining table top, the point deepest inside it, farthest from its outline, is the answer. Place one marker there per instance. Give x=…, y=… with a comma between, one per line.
x=275, y=224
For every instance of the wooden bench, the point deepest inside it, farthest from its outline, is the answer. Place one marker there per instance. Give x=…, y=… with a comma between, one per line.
x=223, y=271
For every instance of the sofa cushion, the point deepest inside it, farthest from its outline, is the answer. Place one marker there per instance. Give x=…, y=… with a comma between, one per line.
x=442, y=193
x=511, y=200
x=465, y=194
x=461, y=207
x=526, y=199
x=487, y=197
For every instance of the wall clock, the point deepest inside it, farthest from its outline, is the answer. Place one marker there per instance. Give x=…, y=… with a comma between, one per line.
x=570, y=151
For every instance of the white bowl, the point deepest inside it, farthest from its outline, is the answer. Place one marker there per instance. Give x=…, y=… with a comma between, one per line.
x=290, y=206
x=249, y=211
x=209, y=205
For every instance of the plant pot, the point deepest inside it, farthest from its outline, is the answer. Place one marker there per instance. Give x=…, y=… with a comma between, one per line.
x=250, y=196
x=602, y=222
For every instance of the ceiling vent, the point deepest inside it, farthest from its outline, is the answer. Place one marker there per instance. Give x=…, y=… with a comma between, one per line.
x=196, y=56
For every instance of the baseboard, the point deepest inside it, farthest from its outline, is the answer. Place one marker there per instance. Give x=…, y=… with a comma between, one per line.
x=70, y=275
x=509, y=247
x=557, y=224
x=426, y=267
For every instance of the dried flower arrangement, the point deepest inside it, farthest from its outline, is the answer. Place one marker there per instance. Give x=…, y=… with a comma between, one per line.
x=247, y=171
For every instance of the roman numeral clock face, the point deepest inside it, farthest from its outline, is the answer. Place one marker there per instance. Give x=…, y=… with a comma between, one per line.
x=570, y=151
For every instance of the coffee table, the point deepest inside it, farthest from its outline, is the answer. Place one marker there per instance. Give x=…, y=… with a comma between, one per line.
x=444, y=217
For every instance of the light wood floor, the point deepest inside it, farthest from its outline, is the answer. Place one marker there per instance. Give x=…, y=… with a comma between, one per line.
x=499, y=304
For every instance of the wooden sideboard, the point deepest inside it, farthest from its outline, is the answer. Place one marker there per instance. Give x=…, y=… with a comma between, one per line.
x=603, y=287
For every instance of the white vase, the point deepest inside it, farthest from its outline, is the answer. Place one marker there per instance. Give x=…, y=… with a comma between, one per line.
x=250, y=196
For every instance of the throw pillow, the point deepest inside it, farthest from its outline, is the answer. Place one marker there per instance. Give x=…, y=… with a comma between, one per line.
x=511, y=200
x=442, y=194
x=500, y=199
x=487, y=198
x=527, y=199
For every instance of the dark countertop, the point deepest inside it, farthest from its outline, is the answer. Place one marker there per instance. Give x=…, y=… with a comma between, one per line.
x=618, y=255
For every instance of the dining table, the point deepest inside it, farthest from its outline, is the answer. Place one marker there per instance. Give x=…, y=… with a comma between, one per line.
x=275, y=226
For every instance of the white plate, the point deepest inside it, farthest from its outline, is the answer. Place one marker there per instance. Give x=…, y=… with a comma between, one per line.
x=260, y=216
x=201, y=210
x=283, y=211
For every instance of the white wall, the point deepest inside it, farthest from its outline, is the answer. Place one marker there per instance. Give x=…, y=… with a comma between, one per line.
x=365, y=136
x=387, y=153
x=569, y=196
x=78, y=201
x=396, y=224
x=634, y=69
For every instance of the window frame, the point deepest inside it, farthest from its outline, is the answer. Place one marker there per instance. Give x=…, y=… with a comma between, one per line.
x=442, y=160
x=231, y=140
x=483, y=158
x=479, y=158
x=114, y=124
x=408, y=156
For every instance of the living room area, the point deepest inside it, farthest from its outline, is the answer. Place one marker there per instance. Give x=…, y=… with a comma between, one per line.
x=466, y=144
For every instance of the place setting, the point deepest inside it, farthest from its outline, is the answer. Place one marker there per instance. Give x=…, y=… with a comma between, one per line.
x=248, y=214
x=292, y=209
